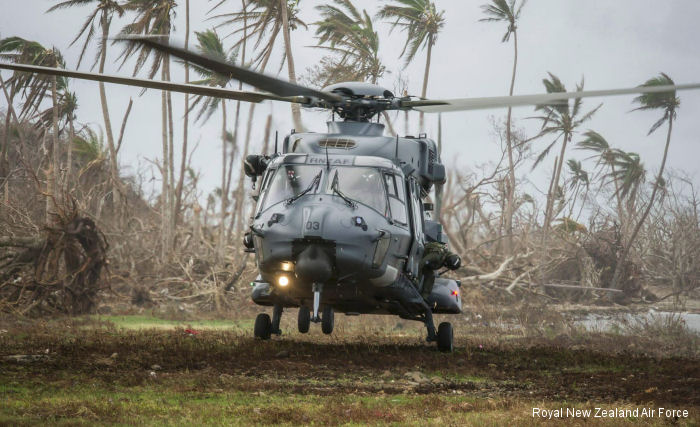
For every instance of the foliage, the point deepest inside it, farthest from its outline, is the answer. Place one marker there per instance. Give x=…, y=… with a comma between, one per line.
x=503, y=11
x=419, y=19
x=34, y=87
x=210, y=44
x=354, y=43
x=101, y=15
x=260, y=23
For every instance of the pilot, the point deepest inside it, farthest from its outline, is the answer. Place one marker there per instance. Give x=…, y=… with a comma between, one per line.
x=435, y=256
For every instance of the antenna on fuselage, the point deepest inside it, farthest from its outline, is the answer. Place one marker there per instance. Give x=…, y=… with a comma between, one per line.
x=396, y=155
x=277, y=134
x=328, y=160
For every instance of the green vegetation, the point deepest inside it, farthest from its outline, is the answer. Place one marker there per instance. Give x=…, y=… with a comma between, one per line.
x=112, y=370
x=149, y=322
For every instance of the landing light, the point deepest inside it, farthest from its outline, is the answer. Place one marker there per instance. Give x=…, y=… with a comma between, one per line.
x=283, y=281
x=287, y=266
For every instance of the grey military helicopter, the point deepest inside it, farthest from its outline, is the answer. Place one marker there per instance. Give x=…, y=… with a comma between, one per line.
x=341, y=223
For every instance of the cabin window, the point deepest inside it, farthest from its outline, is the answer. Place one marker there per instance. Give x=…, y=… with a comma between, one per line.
x=363, y=185
x=394, y=188
x=288, y=181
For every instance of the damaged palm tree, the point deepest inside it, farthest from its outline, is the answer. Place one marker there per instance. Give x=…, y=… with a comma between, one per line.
x=60, y=271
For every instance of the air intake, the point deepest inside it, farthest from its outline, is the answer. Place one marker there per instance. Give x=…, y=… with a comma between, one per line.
x=338, y=143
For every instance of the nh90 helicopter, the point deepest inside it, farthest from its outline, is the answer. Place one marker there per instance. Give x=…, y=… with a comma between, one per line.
x=340, y=222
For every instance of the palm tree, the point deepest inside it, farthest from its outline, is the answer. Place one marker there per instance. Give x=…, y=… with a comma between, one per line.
x=67, y=106
x=34, y=89
x=579, y=178
x=261, y=21
x=100, y=16
x=607, y=156
x=155, y=17
x=668, y=103
x=284, y=6
x=185, y=124
x=561, y=120
x=350, y=36
x=211, y=45
x=422, y=23
x=353, y=42
x=630, y=174
x=503, y=11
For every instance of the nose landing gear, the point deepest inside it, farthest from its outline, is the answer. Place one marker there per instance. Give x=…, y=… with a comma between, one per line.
x=328, y=320
x=265, y=327
x=304, y=319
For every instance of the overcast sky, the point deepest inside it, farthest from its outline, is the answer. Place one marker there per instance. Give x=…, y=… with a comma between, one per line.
x=617, y=43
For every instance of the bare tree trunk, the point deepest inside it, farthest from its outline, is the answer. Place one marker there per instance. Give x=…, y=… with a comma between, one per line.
x=510, y=190
x=555, y=186
x=266, y=141
x=390, y=125
x=438, y=187
x=165, y=187
x=55, y=149
x=171, y=161
x=229, y=231
x=426, y=76
x=185, y=125
x=4, y=156
x=620, y=211
x=249, y=128
x=113, y=162
x=69, y=153
x=296, y=111
x=550, y=191
x=405, y=123
x=266, y=138
x=619, y=266
x=221, y=244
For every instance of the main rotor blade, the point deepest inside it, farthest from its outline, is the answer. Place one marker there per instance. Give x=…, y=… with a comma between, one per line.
x=462, y=104
x=152, y=84
x=253, y=78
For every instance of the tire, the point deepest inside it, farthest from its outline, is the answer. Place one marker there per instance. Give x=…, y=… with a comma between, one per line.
x=445, y=337
x=327, y=320
x=304, y=319
x=263, y=326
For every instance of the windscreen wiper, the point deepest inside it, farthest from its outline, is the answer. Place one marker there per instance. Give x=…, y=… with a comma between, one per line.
x=314, y=183
x=334, y=187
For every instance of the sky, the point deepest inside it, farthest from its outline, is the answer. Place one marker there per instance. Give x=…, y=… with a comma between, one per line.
x=619, y=43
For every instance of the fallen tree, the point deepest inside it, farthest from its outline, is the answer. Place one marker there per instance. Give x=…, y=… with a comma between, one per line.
x=58, y=271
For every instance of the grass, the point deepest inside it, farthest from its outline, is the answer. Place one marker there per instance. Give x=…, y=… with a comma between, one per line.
x=101, y=370
x=151, y=322
x=160, y=404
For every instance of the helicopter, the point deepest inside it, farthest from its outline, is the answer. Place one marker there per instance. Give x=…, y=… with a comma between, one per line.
x=342, y=222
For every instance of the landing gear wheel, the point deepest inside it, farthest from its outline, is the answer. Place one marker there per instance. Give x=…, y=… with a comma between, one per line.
x=444, y=337
x=263, y=326
x=327, y=320
x=304, y=319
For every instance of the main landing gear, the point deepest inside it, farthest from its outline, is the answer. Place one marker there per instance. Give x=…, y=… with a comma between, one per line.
x=264, y=327
x=444, y=336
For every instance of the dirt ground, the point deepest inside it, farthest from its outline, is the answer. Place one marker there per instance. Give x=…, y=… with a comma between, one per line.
x=87, y=371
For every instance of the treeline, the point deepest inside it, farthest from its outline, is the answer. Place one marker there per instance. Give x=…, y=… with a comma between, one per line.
x=605, y=222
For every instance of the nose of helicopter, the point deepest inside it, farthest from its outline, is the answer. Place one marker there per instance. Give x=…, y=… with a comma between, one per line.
x=313, y=265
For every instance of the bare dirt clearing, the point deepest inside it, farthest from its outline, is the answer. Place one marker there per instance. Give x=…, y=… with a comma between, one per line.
x=82, y=371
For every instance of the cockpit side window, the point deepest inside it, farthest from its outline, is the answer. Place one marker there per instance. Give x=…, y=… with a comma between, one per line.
x=288, y=181
x=394, y=189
